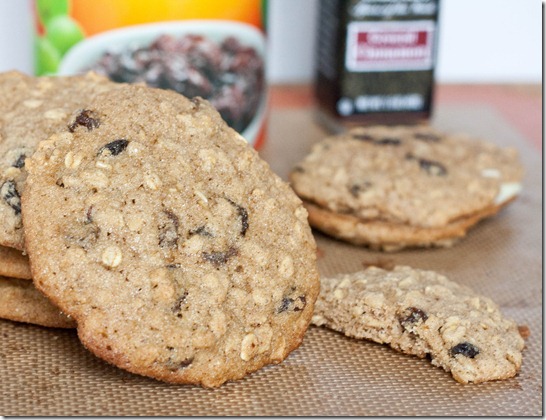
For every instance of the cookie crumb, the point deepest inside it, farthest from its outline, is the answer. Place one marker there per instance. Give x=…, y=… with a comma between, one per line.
x=524, y=331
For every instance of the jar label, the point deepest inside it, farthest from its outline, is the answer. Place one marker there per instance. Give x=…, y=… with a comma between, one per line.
x=390, y=46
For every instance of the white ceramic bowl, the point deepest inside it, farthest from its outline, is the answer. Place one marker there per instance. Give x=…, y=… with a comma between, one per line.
x=86, y=53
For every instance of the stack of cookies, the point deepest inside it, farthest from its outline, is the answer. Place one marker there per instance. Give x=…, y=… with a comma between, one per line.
x=153, y=227
x=31, y=109
x=394, y=187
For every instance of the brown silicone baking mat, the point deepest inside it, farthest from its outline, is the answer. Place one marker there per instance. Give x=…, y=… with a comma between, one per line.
x=46, y=372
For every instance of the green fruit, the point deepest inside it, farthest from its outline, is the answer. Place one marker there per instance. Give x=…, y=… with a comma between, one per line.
x=47, y=57
x=48, y=9
x=64, y=32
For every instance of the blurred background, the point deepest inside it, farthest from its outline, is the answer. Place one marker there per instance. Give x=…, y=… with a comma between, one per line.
x=480, y=41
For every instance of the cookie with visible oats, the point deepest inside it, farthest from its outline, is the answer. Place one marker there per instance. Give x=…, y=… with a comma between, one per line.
x=20, y=301
x=14, y=264
x=177, y=250
x=404, y=186
x=31, y=109
x=423, y=313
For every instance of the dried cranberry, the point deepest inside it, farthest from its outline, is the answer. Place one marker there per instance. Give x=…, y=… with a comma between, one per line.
x=173, y=266
x=293, y=304
x=356, y=189
x=384, y=141
x=243, y=214
x=433, y=168
x=412, y=316
x=202, y=231
x=388, y=141
x=168, y=229
x=180, y=302
x=219, y=257
x=429, y=166
x=89, y=215
x=20, y=162
x=115, y=147
x=11, y=196
x=466, y=349
x=84, y=236
x=84, y=119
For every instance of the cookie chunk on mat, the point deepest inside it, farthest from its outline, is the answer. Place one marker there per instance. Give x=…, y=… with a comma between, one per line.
x=423, y=313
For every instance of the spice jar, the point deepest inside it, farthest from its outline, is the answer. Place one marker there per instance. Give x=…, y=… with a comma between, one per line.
x=375, y=61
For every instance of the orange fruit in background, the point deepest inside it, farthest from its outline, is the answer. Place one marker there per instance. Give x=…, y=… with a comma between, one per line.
x=96, y=16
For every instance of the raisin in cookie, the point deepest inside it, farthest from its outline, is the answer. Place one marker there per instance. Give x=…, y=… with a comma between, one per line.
x=14, y=264
x=31, y=109
x=21, y=302
x=177, y=250
x=423, y=313
x=404, y=186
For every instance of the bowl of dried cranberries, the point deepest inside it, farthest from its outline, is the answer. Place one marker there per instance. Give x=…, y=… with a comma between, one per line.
x=221, y=61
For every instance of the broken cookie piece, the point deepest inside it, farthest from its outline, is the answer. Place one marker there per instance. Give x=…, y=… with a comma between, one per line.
x=423, y=313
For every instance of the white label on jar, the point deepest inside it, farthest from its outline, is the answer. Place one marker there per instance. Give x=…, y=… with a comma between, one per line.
x=399, y=102
x=390, y=46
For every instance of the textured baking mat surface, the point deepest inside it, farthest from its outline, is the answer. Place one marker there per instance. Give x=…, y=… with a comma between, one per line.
x=46, y=372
